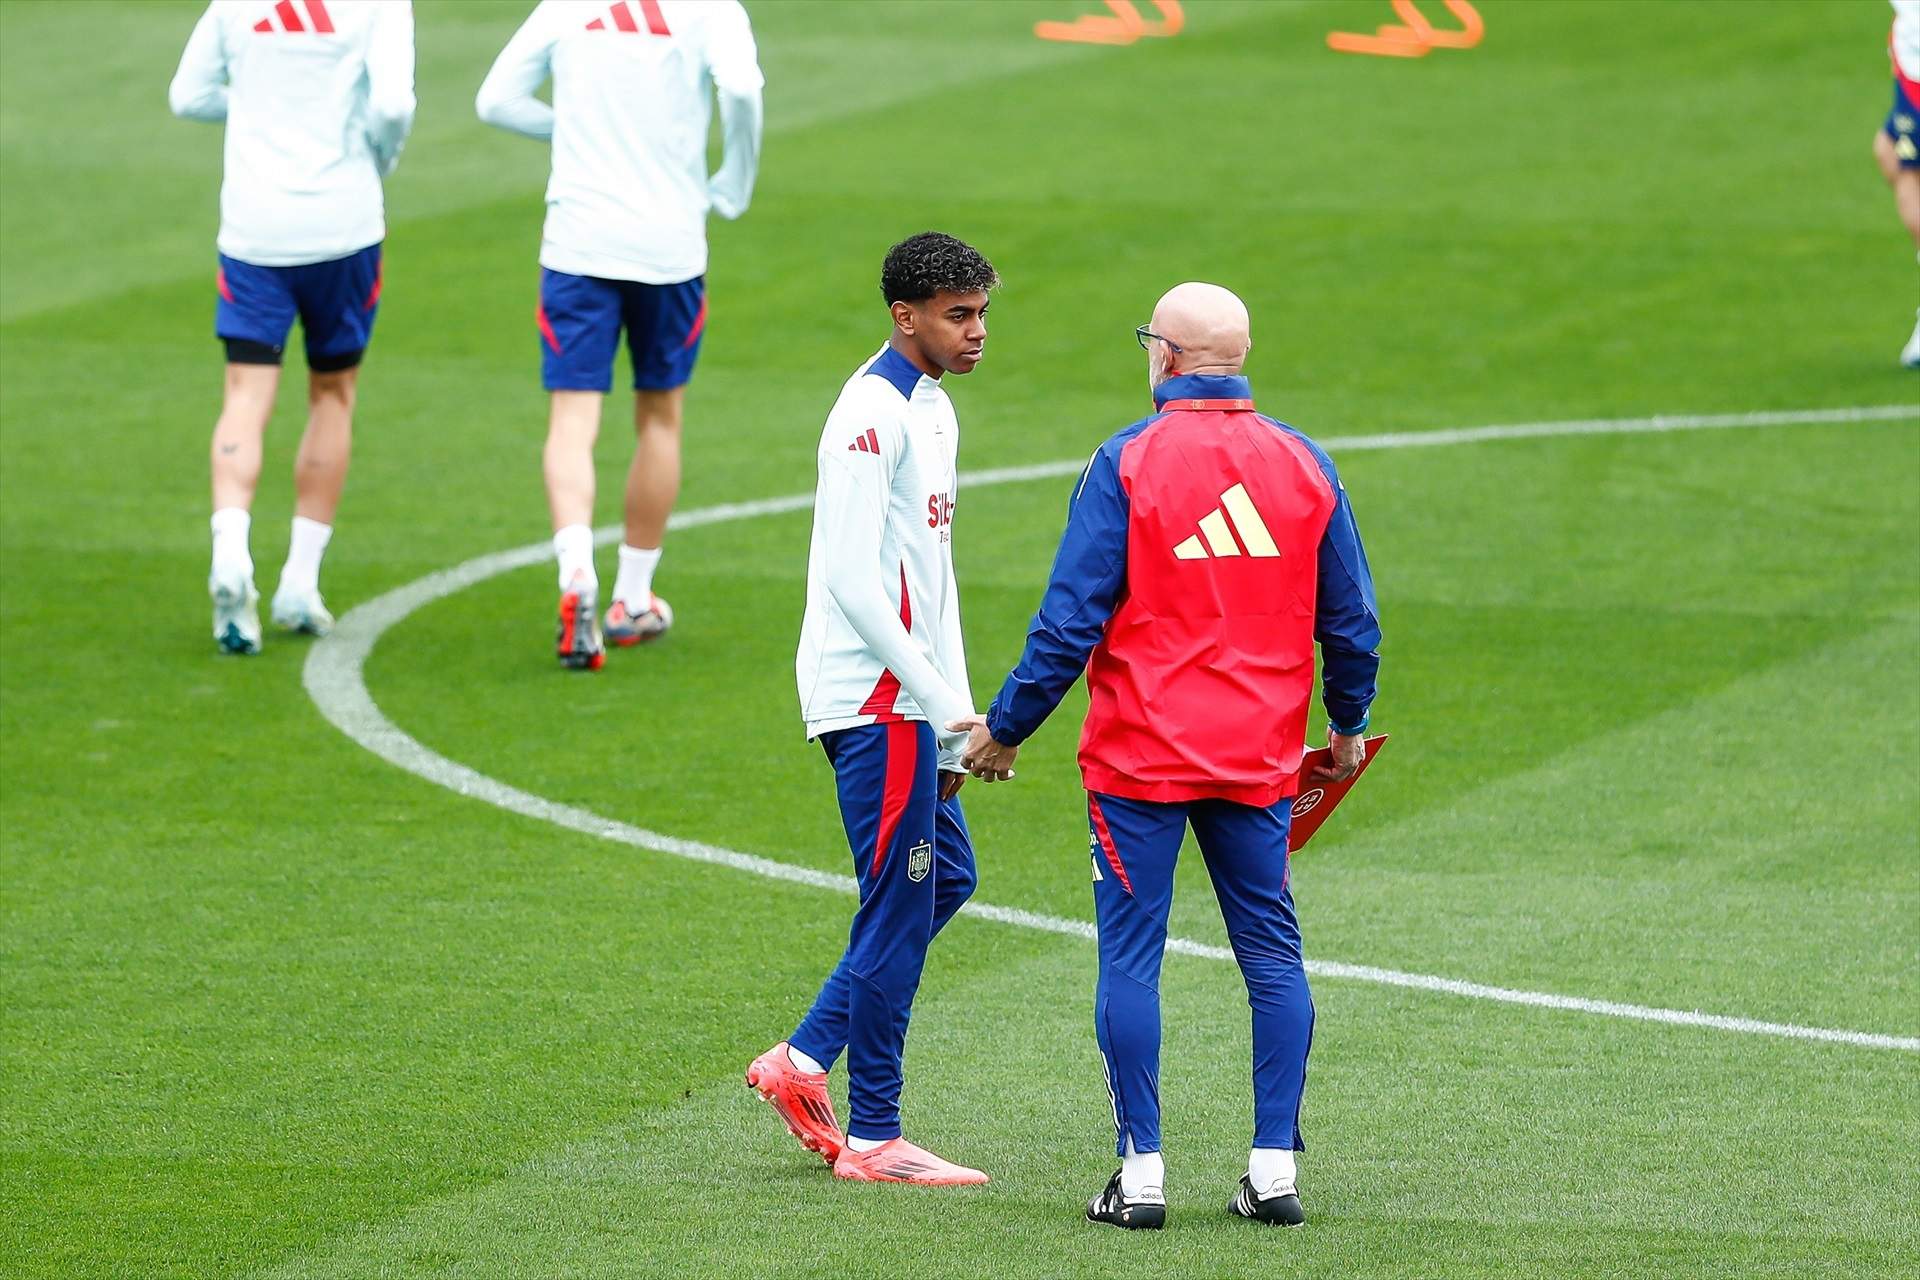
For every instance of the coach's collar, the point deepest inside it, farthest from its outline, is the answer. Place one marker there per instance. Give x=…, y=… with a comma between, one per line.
x=1204, y=387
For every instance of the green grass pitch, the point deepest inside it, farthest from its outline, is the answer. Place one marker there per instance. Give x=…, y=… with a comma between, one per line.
x=271, y=1007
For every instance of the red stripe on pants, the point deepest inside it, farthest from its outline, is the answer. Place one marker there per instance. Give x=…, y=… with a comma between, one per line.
x=546, y=326
x=1105, y=837
x=903, y=750
x=322, y=20
x=699, y=323
x=289, y=16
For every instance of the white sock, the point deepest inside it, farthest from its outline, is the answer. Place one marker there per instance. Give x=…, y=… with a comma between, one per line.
x=1270, y=1169
x=804, y=1062
x=865, y=1144
x=231, y=559
x=1141, y=1171
x=573, y=548
x=302, y=570
x=634, y=586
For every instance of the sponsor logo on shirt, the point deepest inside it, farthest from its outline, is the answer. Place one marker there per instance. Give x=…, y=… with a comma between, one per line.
x=1235, y=514
x=316, y=20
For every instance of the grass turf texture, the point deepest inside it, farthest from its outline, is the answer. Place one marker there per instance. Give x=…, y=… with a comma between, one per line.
x=269, y=1006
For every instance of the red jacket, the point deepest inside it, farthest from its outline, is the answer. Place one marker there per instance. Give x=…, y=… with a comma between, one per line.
x=1207, y=548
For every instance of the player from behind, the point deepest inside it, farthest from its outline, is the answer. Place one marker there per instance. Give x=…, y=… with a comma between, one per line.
x=625, y=248
x=1897, y=145
x=317, y=97
x=880, y=665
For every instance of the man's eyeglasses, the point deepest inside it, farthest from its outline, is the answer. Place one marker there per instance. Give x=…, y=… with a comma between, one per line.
x=1143, y=334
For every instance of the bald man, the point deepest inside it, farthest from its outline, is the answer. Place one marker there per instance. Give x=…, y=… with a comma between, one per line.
x=1207, y=548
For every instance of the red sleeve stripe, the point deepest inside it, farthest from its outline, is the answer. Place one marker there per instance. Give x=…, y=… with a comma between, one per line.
x=886, y=690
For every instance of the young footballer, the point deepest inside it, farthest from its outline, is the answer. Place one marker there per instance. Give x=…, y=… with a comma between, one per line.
x=880, y=666
x=625, y=248
x=317, y=98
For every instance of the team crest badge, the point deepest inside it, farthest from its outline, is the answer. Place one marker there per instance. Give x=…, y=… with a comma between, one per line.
x=919, y=861
x=1308, y=802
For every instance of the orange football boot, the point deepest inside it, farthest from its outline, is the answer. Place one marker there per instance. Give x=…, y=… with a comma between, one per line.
x=901, y=1161
x=800, y=1098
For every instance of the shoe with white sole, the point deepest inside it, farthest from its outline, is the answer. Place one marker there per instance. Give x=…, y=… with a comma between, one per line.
x=578, y=644
x=236, y=615
x=301, y=611
x=1910, y=354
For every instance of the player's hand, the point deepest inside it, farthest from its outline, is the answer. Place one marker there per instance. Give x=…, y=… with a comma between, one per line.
x=1349, y=750
x=984, y=758
x=950, y=784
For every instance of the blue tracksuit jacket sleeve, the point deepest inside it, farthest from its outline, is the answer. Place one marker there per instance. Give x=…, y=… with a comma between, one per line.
x=1346, y=621
x=1089, y=577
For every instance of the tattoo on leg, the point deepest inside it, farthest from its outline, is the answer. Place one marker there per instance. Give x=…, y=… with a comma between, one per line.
x=230, y=448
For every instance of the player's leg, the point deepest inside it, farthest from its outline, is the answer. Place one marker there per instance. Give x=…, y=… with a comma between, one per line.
x=1897, y=150
x=665, y=324
x=254, y=312
x=1135, y=846
x=886, y=782
x=955, y=873
x=338, y=303
x=1246, y=853
x=822, y=1037
x=579, y=323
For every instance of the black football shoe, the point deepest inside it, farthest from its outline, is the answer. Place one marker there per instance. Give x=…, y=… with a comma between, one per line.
x=1282, y=1209
x=1145, y=1212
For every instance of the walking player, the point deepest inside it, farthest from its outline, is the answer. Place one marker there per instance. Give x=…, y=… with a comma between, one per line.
x=880, y=664
x=317, y=97
x=625, y=247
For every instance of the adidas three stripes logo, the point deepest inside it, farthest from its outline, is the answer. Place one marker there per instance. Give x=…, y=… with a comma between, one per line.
x=1236, y=514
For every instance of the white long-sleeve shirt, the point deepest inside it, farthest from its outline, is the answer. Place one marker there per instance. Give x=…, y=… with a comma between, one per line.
x=881, y=637
x=633, y=82
x=317, y=96
x=1904, y=40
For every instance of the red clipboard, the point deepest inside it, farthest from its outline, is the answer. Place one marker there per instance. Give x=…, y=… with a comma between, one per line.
x=1316, y=800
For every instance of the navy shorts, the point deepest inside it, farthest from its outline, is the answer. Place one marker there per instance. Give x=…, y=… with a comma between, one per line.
x=335, y=302
x=1903, y=126
x=580, y=319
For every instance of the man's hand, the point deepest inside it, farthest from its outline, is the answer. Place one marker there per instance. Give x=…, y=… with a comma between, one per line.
x=950, y=784
x=984, y=758
x=1348, y=752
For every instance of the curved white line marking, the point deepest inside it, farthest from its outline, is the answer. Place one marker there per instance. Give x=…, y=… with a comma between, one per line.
x=335, y=678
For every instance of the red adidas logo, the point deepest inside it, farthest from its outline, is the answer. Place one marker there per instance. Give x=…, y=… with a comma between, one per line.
x=868, y=443
x=622, y=17
x=318, y=20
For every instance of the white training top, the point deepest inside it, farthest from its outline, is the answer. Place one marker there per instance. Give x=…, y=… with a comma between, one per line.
x=629, y=195
x=881, y=638
x=317, y=96
x=1905, y=39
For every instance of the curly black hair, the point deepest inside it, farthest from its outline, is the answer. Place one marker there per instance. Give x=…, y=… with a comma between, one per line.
x=923, y=265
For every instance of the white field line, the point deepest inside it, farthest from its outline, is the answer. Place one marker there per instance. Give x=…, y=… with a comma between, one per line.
x=335, y=679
